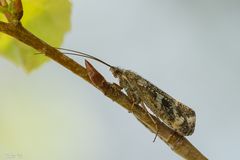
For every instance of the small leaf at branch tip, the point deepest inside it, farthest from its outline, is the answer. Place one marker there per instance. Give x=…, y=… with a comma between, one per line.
x=47, y=16
x=96, y=78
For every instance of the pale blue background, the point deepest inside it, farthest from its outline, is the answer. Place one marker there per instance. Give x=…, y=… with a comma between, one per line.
x=188, y=48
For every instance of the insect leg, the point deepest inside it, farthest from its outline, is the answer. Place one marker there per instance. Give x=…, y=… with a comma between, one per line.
x=118, y=87
x=130, y=92
x=145, y=108
x=135, y=99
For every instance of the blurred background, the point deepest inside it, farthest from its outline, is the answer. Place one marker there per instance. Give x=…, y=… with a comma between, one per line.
x=190, y=49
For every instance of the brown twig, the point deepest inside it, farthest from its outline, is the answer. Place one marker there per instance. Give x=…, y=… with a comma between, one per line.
x=178, y=144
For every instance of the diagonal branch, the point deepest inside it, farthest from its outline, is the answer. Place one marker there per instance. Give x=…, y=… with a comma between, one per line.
x=178, y=144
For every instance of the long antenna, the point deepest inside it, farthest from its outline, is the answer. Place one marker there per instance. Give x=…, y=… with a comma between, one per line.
x=77, y=53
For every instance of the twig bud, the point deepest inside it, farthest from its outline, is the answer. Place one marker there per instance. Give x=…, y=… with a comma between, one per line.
x=96, y=78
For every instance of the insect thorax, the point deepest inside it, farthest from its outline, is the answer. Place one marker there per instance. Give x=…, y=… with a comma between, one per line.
x=176, y=115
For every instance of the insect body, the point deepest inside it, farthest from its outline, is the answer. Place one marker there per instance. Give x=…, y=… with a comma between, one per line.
x=173, y=113
x=176, y=115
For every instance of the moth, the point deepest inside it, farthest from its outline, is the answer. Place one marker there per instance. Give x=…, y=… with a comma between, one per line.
x=176, y=115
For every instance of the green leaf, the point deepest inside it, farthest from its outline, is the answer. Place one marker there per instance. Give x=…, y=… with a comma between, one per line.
x=47, y=19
